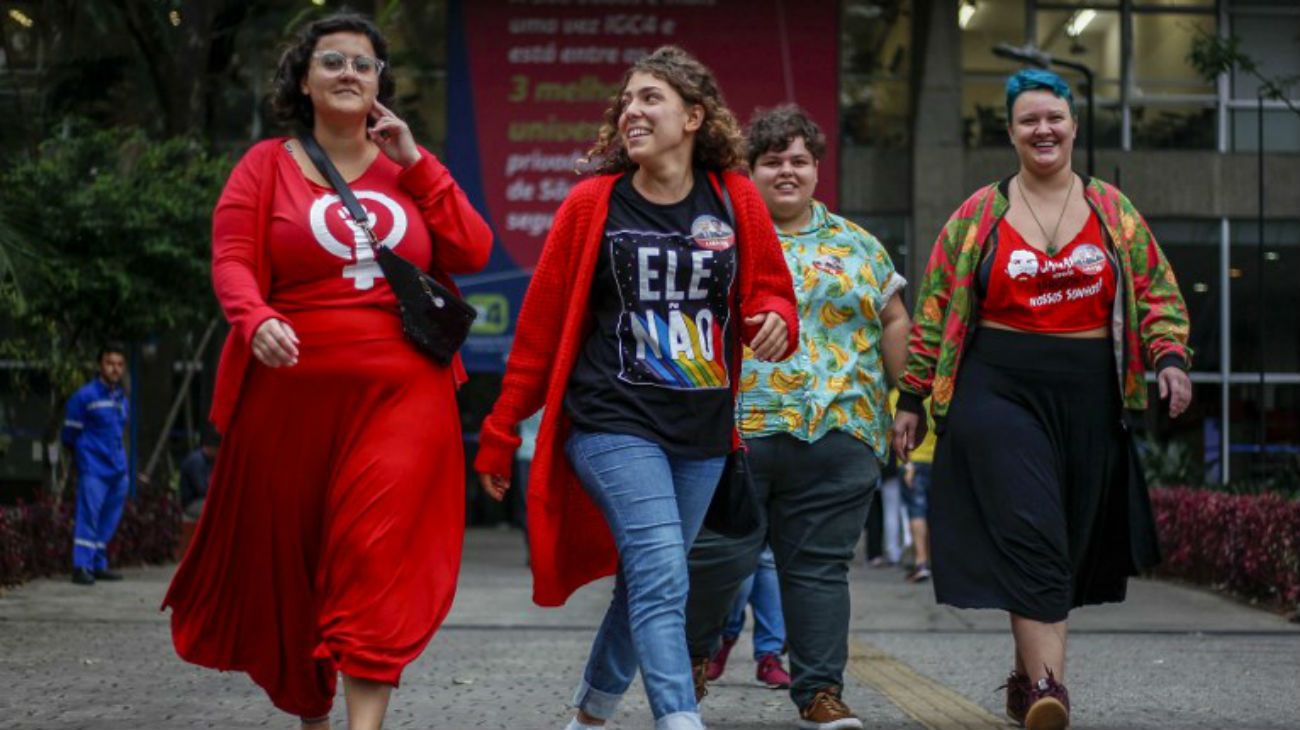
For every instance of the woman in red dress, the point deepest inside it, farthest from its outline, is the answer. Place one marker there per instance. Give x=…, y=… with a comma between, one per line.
x=331, y=538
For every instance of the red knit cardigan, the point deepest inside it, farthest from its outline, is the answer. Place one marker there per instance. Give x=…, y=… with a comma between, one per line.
x=570, y=541
x=241, y=264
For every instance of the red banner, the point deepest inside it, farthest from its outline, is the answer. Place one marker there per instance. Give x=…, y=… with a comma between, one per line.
x=543, y=72
x=529, y=81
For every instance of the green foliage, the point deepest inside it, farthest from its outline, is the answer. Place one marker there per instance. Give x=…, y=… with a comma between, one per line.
x=1169, y=463
x=1211, y=55
x=1175, y=464
x=108, y=237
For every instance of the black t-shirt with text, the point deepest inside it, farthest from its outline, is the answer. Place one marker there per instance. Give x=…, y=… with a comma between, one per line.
x=656, y=365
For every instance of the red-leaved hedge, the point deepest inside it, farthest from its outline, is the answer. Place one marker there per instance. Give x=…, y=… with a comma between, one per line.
x=1246, y=544
x=36, y=537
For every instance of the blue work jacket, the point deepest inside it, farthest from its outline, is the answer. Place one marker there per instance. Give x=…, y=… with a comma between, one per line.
x=95, y=419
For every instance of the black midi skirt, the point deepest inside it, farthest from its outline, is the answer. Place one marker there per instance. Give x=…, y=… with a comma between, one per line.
x=1036, y=507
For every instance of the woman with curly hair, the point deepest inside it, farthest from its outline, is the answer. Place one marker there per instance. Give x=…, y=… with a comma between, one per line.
x=654, y=270
x=330, y=541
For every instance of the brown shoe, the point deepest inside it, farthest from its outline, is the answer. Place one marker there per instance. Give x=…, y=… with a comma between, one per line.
x=828, y=712
x=1049, y=705
x=700, y=673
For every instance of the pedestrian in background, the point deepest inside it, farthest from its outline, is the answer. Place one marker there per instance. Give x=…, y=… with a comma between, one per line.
x=816, y=425
x=1042, y=288
x=914, y=479
x=196, y=472
x=330, y=541
x=888, y=518
x=762, y=594
x=93, y=425
x=654, y=270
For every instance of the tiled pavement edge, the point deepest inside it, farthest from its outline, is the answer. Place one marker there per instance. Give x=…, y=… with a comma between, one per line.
x=73, y=657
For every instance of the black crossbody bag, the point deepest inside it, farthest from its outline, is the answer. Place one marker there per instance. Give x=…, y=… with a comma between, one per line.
x=734, y=510
x=434, y=318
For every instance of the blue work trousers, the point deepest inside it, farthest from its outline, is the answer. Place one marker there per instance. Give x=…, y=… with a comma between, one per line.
x=100, y=498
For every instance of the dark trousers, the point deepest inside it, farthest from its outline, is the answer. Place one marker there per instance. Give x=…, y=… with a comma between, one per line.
x=875, y=527
x=816, y=497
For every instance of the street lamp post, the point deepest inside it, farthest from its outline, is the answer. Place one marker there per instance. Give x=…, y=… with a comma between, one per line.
x=1030, y=54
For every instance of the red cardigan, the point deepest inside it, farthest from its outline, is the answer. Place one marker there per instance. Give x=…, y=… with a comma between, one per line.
x=571, y=544
x=241, y=263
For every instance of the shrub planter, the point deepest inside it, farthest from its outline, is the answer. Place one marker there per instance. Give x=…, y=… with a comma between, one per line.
x=36, y=537
x=1248, y=545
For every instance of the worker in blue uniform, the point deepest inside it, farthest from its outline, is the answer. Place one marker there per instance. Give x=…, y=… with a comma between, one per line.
x=92, y=430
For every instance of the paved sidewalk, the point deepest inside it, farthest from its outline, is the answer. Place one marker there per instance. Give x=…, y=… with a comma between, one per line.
x=1171, y=657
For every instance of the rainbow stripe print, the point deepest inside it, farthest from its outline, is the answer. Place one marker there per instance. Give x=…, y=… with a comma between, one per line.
x=681, y=352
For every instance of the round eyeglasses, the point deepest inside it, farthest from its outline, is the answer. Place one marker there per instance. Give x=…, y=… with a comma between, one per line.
x=334, y=62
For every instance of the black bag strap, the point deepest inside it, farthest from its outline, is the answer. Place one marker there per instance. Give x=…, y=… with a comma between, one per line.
x=331, y=173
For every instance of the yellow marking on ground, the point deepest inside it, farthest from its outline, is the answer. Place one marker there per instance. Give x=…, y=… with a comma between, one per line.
x=929, y=703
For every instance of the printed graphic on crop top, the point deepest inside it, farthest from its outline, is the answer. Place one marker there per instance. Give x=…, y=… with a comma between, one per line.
x=1030, y=290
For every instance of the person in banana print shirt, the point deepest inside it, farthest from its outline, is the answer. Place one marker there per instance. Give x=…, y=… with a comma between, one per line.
x=817, y=425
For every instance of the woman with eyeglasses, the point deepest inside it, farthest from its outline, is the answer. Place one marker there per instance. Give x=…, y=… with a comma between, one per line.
x=330, y=542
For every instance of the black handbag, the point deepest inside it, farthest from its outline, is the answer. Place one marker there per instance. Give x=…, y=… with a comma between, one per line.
x=735, y=510
x=434, y=318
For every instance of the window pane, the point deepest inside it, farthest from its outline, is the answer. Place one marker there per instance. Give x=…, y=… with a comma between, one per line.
x=875, y=92
x=1281, y=130
x=1161, y=44
x=1090, y=37
x=1185, y=450
x=983, y=99
x=1272, y=41
x=1192, y=247
x=1144, y=4
x=1275, y=459
x=1274, y=315
x=875, y=111
x=1175, y=126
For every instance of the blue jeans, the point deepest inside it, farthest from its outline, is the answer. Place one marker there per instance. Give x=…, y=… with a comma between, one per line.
x=916, y=497
x=762, y=591
x=654, y=503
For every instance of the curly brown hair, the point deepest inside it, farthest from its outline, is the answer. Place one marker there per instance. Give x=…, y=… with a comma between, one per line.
x=775, y=129
x=290, y=105
x=719, y=144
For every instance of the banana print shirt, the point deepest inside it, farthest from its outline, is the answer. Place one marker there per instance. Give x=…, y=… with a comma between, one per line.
x=843, y=278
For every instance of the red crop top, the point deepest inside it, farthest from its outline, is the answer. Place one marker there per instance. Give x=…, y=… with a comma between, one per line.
x=1070, y=292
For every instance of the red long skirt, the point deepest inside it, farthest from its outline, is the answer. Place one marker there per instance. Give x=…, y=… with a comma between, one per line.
x=331, y=536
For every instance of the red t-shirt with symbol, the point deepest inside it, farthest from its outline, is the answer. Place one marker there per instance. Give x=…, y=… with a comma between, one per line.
x=1070, y=292
x=319, y=259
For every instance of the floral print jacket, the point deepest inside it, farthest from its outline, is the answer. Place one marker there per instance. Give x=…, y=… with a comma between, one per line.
x=1149, y=324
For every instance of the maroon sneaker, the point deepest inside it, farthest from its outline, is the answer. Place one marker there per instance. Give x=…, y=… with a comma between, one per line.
x=771, y=673
x=718, y=662
x=1049, y=705
x=1017, y=687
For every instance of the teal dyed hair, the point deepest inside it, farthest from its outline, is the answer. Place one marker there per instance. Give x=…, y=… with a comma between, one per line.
x=1037, y=79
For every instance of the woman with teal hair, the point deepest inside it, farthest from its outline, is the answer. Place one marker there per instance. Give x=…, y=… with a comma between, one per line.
x=1051, y=294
